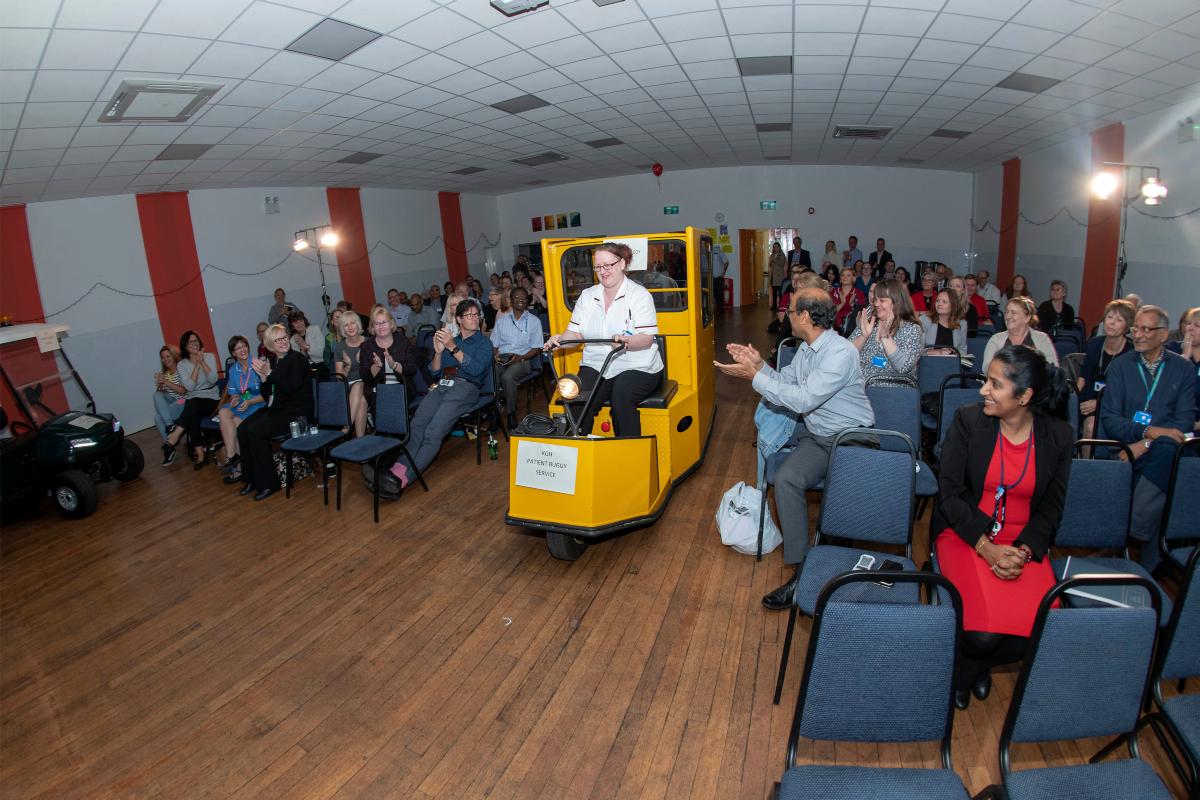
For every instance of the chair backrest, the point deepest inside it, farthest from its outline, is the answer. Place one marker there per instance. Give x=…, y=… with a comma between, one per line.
x=1085, y=671
x=932, y=370
x=1064, y=346
x=1181, y=516
x=1181, y=653
x=897, y=408
x=868, y=492
x=1073, y=411
x=975, y=346
x=488, y=387
x=333, y=404
x=425, y=336
x=391, y=410
x=879, y=672
x=544, y=319
x=964, y=392
x=1096, y=512
x=786, y=352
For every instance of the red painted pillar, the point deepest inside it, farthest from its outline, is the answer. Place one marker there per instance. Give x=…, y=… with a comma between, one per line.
x=452, y=235
x=354, y=263
x=21, y=300
x=170, y=244
x=1104, y=228
x=1010, y=218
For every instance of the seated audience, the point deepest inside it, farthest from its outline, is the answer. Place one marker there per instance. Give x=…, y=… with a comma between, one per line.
x=1018, y=288
x=287, y=385
x=1100, y=352
x=168, y=391
x=983, y=314
x=398, y=306
x=420, y=314
x=1001, y=487
x=243, y=397
x=823, y=384
x=461, y=362
x=279, y=312
x=847, y=298
x=1134, y=298
x=308, y=342
x=460, y=291
x=386, y=357
x=198, y=375
x=922, y=301
x=517, y=341
x=333, y=335
x=832, y=274
x=945, y=329
x=537, y=295
x=888, y=338
x=965, y=309
x=1188, y=345
x=1019, y=317
x=866, y=276
x=263, y=350
x=435, y=298
x=346, y=363
x=1056, y=314
x=905, y=281
x=1150, y=404
x=988, y=291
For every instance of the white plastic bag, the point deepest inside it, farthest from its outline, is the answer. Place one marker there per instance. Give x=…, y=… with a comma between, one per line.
x=737, y=520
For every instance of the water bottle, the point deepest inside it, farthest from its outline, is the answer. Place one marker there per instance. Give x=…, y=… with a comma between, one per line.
x=492, y=444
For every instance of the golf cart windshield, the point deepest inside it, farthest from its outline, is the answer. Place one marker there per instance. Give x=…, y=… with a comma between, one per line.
x=37, y=380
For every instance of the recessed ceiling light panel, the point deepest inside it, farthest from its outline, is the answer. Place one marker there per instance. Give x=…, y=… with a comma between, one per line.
x=518, y=105
x=467, y=171
x=157, y=101
x=332, y=39
x=1025, y=82
x=950, y=133
x=609, y=142
x=773, y=127
x=765, y=65
x=359, y=158
x=182, y=152
x=540, y=159
x=861, y=132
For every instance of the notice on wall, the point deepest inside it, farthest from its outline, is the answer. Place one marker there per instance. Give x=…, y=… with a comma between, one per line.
x=47, y=340
x=547, y=466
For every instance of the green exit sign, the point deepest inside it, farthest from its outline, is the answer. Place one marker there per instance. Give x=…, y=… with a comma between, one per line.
x=670, y=209
x=766, y=205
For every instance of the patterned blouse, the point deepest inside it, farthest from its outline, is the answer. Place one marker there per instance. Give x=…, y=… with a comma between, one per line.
x=898, y=369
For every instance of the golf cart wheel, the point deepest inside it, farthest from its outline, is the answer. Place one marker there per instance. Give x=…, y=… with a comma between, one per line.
x=74, y=494
x=564, y=547
x=128, y=463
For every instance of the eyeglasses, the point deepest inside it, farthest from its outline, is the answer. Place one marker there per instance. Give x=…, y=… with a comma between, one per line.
x=383, y=323
x=1147, y=329
x=280, y=339
x=608, y=267
x=474, y=314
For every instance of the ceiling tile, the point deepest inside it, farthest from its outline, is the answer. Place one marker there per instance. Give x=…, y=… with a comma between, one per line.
x=881, y=46
x=157, y=53
x=384, y=54
x=829, y=19
x=1057, y=15
x=1051, y=67
x=29, y=159
x=226, y=60
x=255, y=94
x=190, y=18
x=41, y=138
x=84, y=49
x=702, y=50
x=512, y=65
x=589, y=17
x=101, y=135
x=21, y=49
x=341, y=78
x=896, y=21
x=308, y=100
x=54, y=115
x=1168, y=44
x=384, y=16
x=15, y=85
x=628, y=37
x=1075, y=48
x=436, y=29
x=938, y=50
x=385, y=88
x=127, y=15
x=1159, y=12
x=589, y=68
x=290, y=68
x=1174, y=74
x=762, y=19
x=54, y=85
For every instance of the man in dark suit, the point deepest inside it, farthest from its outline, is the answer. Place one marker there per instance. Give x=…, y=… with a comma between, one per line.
x=798, y=255
x=879, y=258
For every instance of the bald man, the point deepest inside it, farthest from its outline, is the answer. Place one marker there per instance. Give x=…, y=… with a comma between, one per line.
x=825, y=385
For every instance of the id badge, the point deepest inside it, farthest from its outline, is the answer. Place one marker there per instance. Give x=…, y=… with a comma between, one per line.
x=879, y=361
x=1098, y=387
x=1142, y=417
x=446, y=383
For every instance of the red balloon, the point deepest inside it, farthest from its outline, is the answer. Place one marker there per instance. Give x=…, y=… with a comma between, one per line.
x=656, y=168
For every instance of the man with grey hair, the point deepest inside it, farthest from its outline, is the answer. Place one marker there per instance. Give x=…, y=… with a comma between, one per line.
x=988, y=290
x=823, y=384
x=1149, y=404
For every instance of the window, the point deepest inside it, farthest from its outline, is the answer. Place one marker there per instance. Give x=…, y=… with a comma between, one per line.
x=665, y=276
x=706, y=298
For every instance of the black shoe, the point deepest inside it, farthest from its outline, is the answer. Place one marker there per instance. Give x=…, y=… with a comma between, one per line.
x=247, y=489
x=265, y=493
x=781, y=598
x=962, y=699
x=982, y=687
x=168, y=455
x=232, y=479
x=512, y=421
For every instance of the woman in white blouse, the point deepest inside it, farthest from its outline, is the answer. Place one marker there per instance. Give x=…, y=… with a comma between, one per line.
x=622, y=310
x=1020, y=317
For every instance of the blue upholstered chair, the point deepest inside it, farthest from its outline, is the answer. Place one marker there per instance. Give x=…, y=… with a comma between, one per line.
x=877, y=672
x=485, y=408
x=391, y=436
x=333, y=414
x=955, y=392
x=868, y=498
x=1180, y=527
x=1086, y=672
x=898, y=408
x=1096, y=516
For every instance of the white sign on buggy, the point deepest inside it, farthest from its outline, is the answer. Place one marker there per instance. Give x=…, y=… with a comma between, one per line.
x=547, y=466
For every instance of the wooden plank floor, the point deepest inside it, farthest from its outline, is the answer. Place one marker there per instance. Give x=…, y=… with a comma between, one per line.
x=185, y=642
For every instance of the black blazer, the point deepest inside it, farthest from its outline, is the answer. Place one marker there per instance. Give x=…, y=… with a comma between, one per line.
x=966, y=454
x=291, y=381
x=805, y=259
x=875, y=261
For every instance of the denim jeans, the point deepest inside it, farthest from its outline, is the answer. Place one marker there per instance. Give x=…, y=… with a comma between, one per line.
x=166, y=410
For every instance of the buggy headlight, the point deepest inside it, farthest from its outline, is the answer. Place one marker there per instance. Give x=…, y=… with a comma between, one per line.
x=569, y=387
x=79, y=444
x=116, y=426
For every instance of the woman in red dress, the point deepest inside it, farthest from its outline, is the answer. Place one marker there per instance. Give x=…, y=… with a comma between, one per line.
x=1004, y=473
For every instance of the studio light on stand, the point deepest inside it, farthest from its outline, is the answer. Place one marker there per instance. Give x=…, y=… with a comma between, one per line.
x=1109, y=181
x=321, y=237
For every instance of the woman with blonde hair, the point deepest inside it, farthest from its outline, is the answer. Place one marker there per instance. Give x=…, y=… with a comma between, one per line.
x=346, y=364
x=385, y=357
x=1020, y=317
x=168, y=391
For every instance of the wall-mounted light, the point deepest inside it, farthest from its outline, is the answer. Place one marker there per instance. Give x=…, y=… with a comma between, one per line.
x=329, y=239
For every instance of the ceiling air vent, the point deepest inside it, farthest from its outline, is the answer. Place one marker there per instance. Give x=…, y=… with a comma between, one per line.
x=910, y=161
x=157, y=101
x=359, y=158
x=861, y=132
x=540, y=159
x=950, y=133
x=467, y=170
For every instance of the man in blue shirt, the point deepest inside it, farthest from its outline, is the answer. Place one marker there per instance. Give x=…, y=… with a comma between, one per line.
x=825, y=385
x=517, y=341
x=1149, y=403
x=461, y=363
x=852, y=254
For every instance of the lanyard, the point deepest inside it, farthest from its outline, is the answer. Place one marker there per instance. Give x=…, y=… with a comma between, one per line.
x=1150, y=388
x=1000, y=510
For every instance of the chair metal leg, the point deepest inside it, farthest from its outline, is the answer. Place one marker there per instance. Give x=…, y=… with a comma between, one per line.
x=375, y=484
x=287, y=473
x=339, y=489
x=762, y=517
x=479, y=440
x=787, y=649
x=420, y=477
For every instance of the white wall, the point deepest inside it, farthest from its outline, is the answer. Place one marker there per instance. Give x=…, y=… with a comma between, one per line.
x=1163, y=264
x=244, y=255
x=923, y=214
x=989, y=186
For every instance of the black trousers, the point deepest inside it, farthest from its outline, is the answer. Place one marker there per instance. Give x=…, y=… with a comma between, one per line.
x=195, y=409
x=624, y=391
x=981, y=651
x=254, y=445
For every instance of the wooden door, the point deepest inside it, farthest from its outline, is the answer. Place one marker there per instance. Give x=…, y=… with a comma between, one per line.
x=748, y=257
